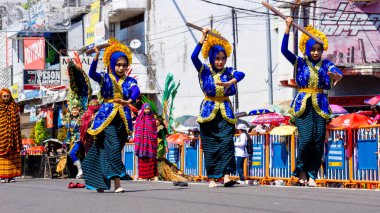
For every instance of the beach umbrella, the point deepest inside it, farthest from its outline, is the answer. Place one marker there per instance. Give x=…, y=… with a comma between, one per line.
x=260, y=111
x=270, y=118
x=182, y=118
x=351, y=120
x=178, y=138
x=336, y=109
x=373, y=101
x=283, y=130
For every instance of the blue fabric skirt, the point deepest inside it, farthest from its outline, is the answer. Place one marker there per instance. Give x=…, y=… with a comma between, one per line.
x=103, y=161
x=218, y=146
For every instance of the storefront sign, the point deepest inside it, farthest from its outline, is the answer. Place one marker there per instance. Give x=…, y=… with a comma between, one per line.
x=47, y=78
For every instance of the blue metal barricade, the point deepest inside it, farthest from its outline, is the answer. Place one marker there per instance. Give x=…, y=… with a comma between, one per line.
x=129, y=159
x=280, y=156
x=191, y=155
x=336, y=165
x=256, y=163
x=366, y=154
x=173, y=154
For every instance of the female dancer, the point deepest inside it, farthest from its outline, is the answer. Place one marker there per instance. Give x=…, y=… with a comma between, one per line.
x=216, y=116
x=103, y=161
x=310, y=106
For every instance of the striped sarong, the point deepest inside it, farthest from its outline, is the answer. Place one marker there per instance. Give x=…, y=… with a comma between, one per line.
x=10, y=165
x=147, y=167
x=218, y=146
x=103, y=161
x=312, y=132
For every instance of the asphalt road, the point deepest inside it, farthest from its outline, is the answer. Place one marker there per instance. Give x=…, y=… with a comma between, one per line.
x=52, y=195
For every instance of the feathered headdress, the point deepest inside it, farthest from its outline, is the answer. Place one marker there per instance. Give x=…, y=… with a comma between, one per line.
x=170, y=90
x=212, y=41
x=305, y=38
x=116, y=46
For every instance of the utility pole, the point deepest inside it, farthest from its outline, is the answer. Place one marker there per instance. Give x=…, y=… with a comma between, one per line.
x=234, y=29
x=269, y=56
x=211, y=22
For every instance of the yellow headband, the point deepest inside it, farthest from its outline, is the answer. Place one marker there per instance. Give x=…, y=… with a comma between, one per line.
x=212, y=41
x=305, y=38
x=116, y=46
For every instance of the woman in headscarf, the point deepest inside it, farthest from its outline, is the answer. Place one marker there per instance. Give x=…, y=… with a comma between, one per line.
x=216, y=117
x=310, y=106
x=112, y=123
x=145, y=140
x=10, y=138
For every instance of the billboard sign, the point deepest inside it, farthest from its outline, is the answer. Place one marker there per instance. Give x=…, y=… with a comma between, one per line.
x=47, y=78
x=34, y=53
x=353, y=32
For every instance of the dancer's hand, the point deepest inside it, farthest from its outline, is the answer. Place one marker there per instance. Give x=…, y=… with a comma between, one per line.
x=227, y=84
x=205, y=31
x=123, y=102
x=96, y=49
x=288, y=22
x=335, y=77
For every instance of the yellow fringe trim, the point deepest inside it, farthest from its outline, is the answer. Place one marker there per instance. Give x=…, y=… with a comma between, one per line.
x=314, y=77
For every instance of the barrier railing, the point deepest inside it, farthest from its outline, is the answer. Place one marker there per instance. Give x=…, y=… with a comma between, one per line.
x=280, y=157
x=351, y=157
x=335, y=167
x=366, y=155
x=257, y=161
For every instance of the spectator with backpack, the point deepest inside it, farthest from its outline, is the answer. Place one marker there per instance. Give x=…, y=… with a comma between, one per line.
x=241, y=151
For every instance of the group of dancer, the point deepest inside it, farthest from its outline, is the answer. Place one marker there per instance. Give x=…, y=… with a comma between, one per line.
x=110, y=124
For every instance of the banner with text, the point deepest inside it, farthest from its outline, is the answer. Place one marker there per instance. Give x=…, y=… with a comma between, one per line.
x=47, y=78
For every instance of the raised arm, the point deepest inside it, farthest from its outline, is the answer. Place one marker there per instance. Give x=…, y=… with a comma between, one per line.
x=194, y=57
x=92, y=72
x=285, y=41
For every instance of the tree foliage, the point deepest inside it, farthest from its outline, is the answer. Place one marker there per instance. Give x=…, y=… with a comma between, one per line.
x=40, y=131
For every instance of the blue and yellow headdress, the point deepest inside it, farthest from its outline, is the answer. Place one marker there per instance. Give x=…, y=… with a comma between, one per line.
x=305, y=38
x=213, y=41
x=118, y=48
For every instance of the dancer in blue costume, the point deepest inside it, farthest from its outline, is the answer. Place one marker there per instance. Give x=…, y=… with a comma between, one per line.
x=112, y=123
x=310, y=107
x=216, y=118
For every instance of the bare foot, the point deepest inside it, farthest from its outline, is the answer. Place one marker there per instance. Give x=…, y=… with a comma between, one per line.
x=212, y=184
x=302, y=178
x=312, y=182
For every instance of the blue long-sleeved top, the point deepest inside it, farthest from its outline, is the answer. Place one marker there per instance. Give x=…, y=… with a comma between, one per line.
x=125, y=88
x=312, y=79
x=216, y=97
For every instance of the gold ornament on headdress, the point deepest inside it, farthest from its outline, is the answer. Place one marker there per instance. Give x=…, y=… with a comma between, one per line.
x=212, y=41
x=116, y=46
x=315, y=32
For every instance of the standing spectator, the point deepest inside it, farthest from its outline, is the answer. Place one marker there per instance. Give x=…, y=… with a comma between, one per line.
x=240, y=151
x=145, y=140
x=376, y=114
x=10, y=141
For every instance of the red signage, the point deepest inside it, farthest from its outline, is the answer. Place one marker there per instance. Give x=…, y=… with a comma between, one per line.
x=34, y=53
